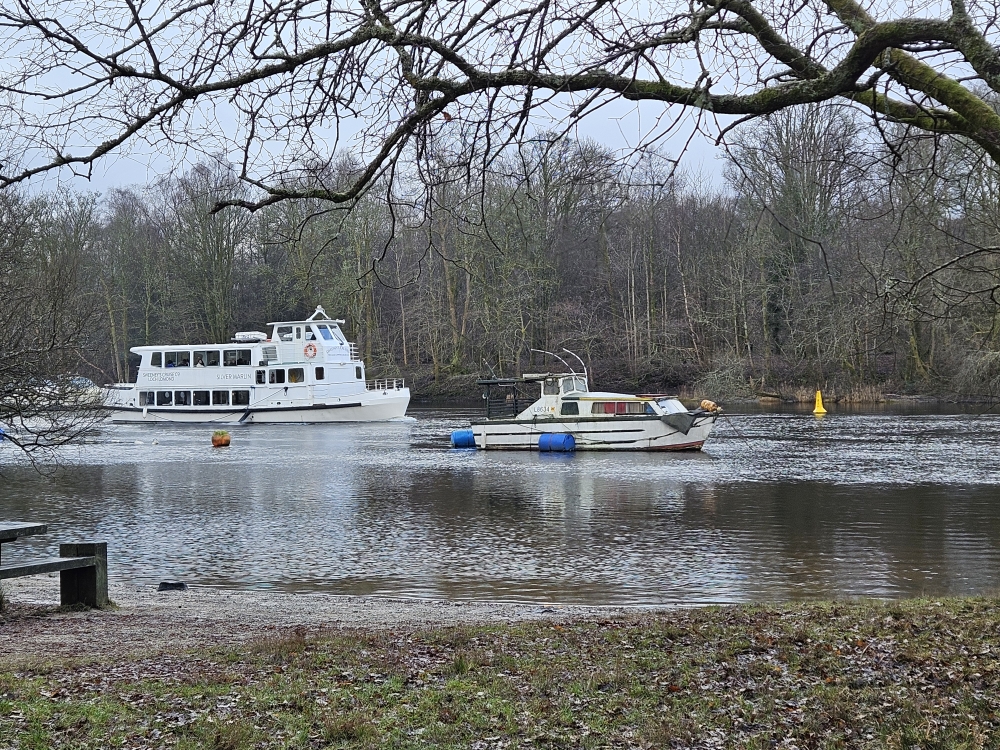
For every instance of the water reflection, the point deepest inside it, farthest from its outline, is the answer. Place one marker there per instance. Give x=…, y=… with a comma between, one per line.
x=781, y=506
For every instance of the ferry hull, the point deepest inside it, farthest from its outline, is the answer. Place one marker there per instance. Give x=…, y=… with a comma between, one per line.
x=363, y=408
x=637, y=434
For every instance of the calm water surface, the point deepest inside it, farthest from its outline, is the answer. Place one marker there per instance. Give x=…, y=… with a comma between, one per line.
x=779, y=506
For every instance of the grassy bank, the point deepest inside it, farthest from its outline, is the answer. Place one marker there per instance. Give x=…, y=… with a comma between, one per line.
x=898, y=675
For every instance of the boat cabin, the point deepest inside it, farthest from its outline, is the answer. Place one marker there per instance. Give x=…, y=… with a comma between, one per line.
x=564, y=395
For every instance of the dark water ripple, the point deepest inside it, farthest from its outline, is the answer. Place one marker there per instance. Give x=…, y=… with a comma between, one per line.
x=779, y=506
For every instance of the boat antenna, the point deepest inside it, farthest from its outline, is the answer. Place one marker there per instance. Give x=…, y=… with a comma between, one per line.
x=490, y=368
x=585, y=375
x=551, y=354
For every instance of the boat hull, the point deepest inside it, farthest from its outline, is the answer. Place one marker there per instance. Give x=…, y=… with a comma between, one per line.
x=640, y=433
x=363, y=408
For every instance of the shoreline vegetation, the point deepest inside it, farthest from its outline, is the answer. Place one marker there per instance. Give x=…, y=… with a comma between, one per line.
x=852, y=674
x=464, y=390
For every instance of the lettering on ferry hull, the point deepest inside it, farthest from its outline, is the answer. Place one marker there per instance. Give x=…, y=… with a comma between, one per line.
x=159, y=377
x=234, y=376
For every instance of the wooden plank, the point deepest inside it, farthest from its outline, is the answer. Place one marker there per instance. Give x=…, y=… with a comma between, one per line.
x=48, y=565
x=89, y=585
x=11, y=530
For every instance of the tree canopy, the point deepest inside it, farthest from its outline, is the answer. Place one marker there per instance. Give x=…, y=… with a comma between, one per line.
x=287, y=87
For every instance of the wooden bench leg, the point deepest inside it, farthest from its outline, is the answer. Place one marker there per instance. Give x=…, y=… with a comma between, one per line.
x=88, y=586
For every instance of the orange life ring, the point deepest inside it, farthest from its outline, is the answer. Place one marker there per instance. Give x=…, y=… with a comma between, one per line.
x=310, y=350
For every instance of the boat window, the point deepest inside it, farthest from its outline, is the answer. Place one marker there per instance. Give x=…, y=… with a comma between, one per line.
x=550, y=387
x=569, y=385
x=358, y=374
x=324, y=332
x=156, y=360
x=298, y=333
x=284, y=333
x=261, y=377
x=320, y=373
x=147, y=398
x=335, y=330
x=296, y=375
x=570, y=407
x=241, y=398
x=581, y=385
x=621, y=407
x=220, y=397
x=236, y=357
x=182, y=398
x=207, y=358
x=277, y=376
x=163, y=398
x=201, y=398
x=177, y=359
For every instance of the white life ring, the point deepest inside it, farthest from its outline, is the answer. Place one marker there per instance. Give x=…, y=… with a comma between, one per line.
x=310, y=350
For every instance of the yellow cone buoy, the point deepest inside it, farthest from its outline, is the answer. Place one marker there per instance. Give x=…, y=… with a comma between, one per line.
x=819, y=411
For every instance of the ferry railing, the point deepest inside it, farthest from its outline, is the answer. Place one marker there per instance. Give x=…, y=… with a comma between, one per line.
x=389, y=384
x=354, y=352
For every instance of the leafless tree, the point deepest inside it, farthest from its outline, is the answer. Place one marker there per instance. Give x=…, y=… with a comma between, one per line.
x=281, y=84
x=44, y=323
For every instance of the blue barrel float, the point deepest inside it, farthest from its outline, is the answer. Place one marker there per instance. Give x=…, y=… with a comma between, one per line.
x=557, y=442
x=463, y=439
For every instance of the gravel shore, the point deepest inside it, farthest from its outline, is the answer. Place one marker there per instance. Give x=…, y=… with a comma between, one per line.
x=147, y=621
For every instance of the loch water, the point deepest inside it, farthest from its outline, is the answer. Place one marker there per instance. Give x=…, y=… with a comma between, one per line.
x=779, y=506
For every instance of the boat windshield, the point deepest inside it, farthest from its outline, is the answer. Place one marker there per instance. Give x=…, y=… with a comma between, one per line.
x=574, y=384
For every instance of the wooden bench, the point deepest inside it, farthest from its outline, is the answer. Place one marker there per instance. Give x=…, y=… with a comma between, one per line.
x=82, y=568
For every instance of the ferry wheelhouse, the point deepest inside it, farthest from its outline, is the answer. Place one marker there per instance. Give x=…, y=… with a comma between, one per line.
x=302, y=371
x=567, y=415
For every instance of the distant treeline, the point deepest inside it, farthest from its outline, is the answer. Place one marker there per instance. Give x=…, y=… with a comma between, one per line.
x=833, y=255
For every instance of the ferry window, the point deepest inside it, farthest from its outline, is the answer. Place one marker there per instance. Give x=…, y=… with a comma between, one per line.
x=277, y=376
x=182, y=398
x=550, y=387
x=335, y=330
x=261, y=377
x=357, y=373
x=236, y=357
x=296, y=375
x=206, y=359
x=220, y=397
x=156, y=360
x=285, y=333
x=310, y=336
x=147, y=398
x=163, y=398
x=298, y=332
x=324, y=332
x=241, y=398
x=320, y=373
x=177, y=359
x=201, y=398
x=570, y=407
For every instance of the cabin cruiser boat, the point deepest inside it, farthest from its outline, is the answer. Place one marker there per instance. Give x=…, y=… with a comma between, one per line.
x=302, y=371
x=567, y=416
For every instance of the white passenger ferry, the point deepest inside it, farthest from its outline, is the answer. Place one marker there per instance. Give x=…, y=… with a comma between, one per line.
x=568, y=416
x=303, y=371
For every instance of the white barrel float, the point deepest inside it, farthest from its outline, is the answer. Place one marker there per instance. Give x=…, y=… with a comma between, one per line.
x=557, y=442
x=463, y=439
